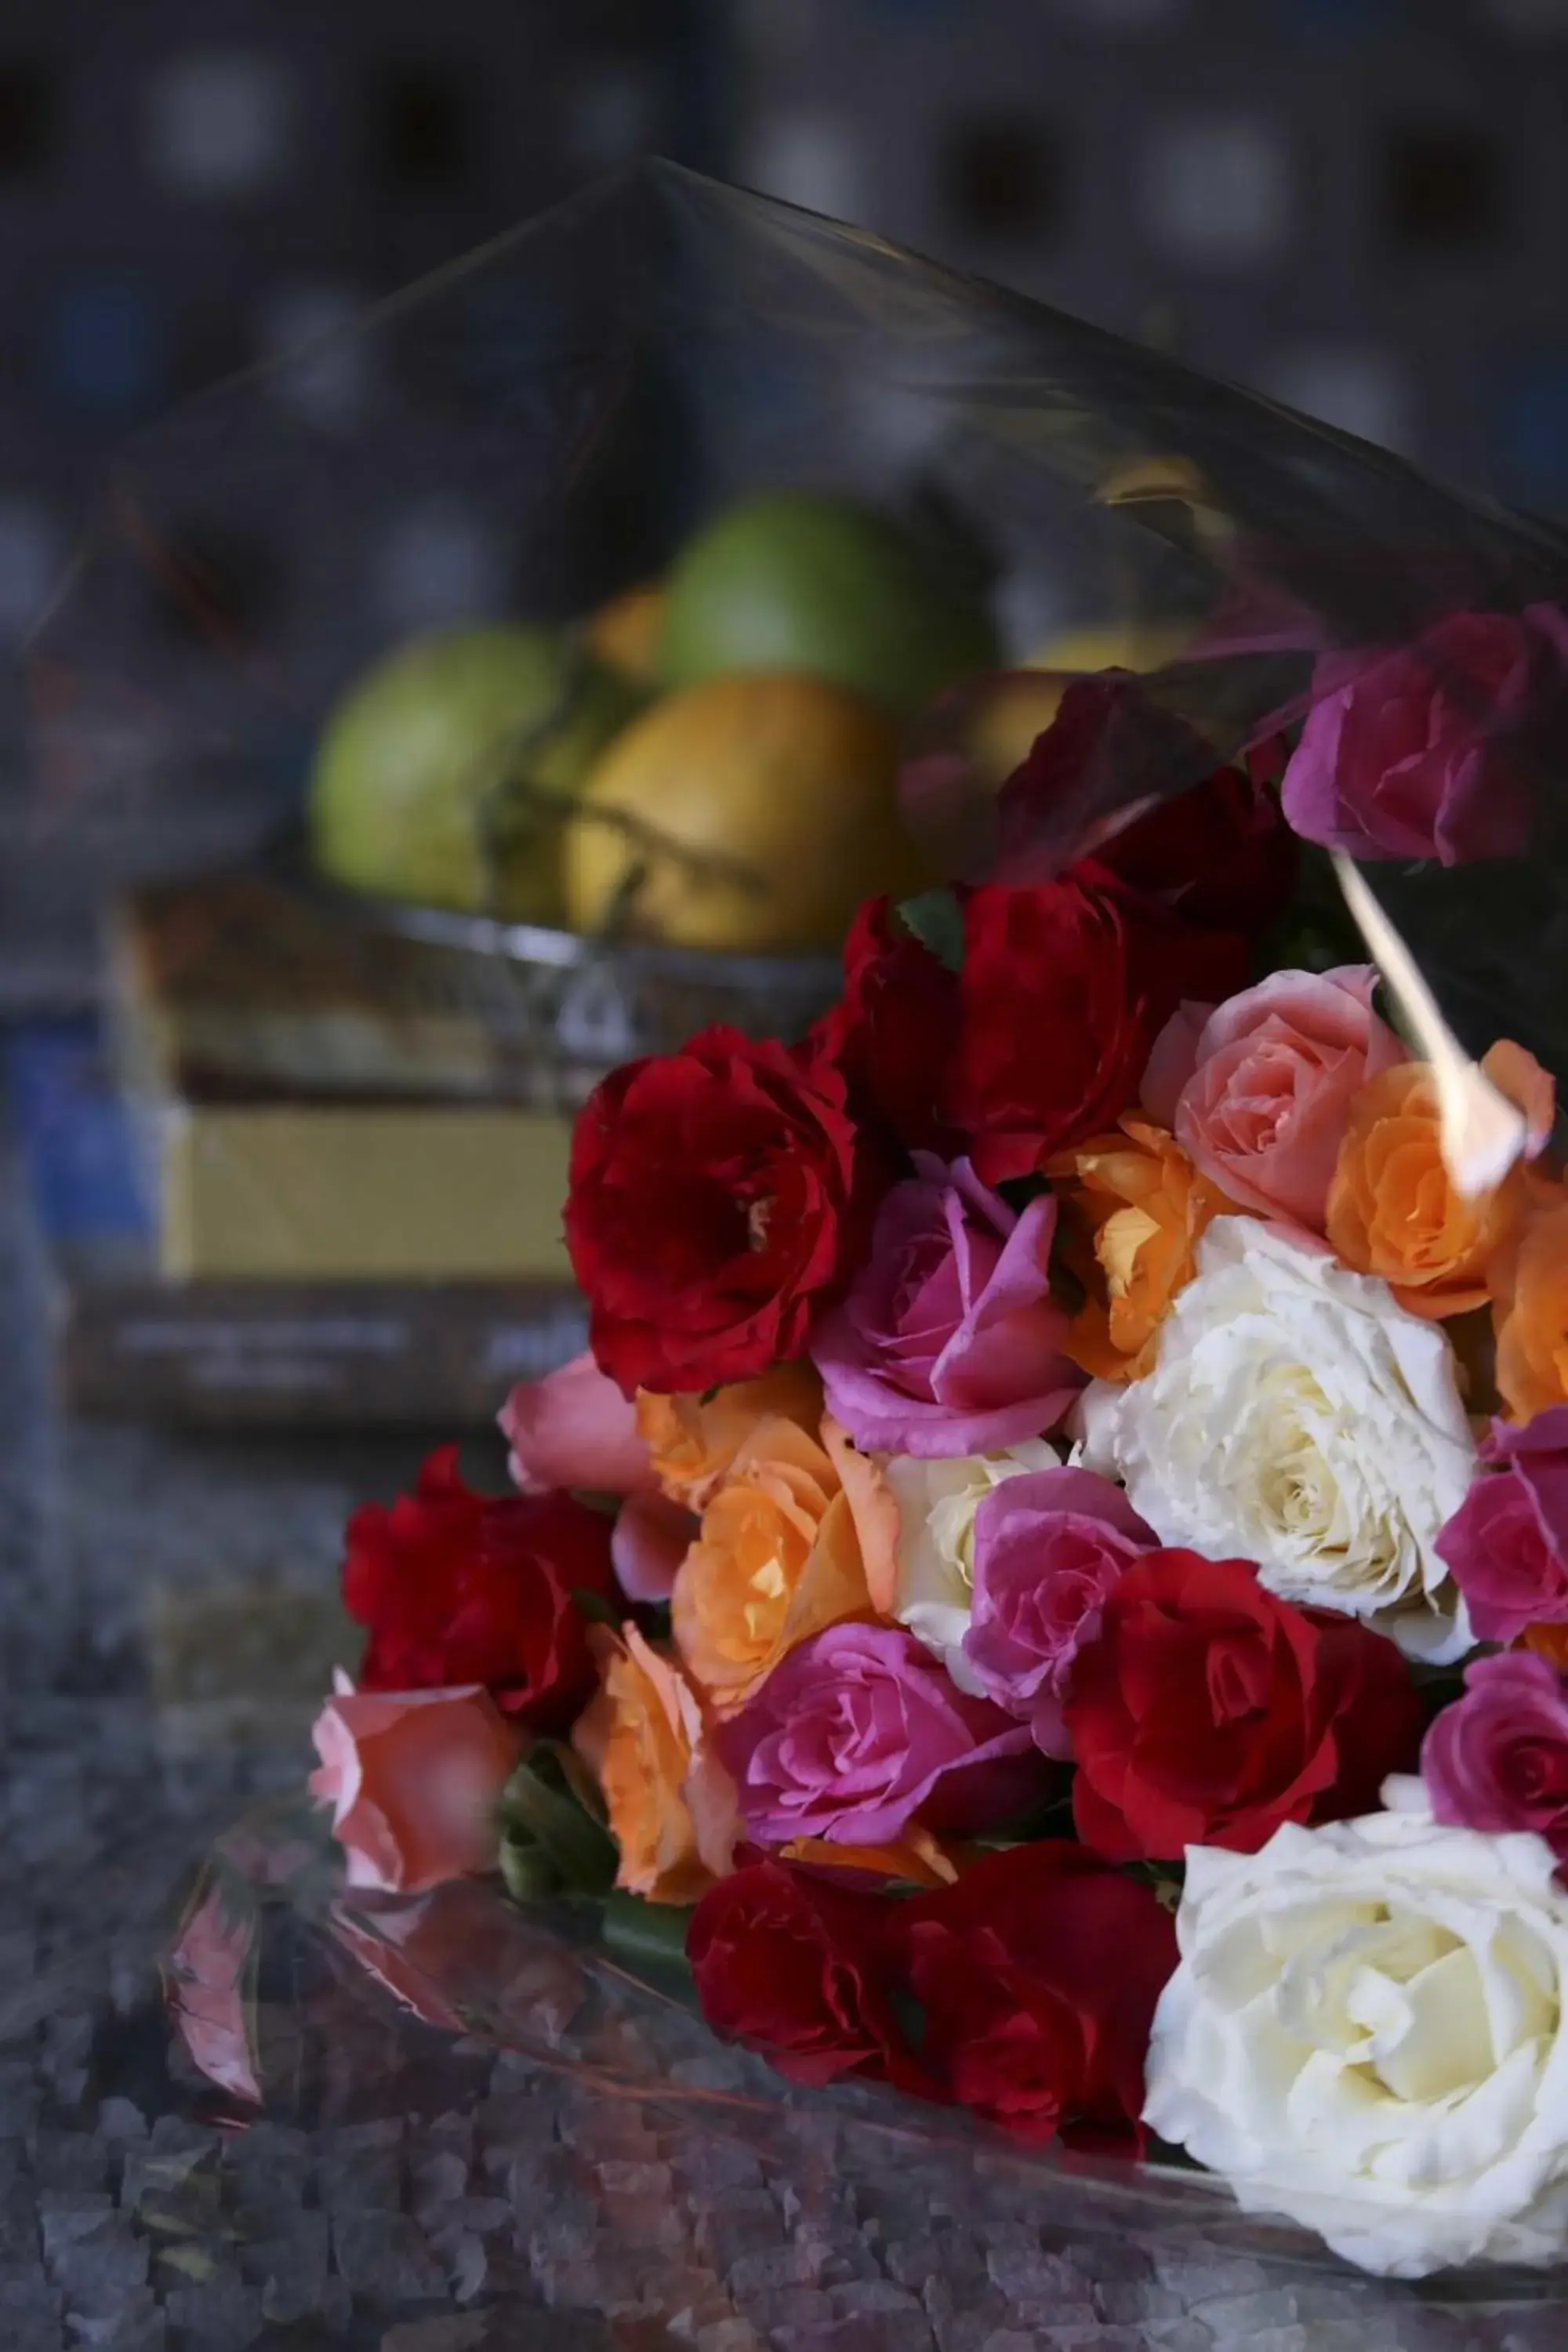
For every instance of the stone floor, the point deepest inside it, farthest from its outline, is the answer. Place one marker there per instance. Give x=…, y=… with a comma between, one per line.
x=609, y=2179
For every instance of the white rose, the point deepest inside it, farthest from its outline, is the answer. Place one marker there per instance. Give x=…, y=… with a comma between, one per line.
x=1365, y=2033
x=937, y=1502
x=1296, y=1416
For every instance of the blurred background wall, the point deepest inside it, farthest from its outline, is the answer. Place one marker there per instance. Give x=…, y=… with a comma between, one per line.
x=1355, y=205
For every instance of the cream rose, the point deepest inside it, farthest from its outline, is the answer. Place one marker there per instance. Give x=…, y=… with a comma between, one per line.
x=937, y=1502
x=1298, y=1417
x=1365, y=2033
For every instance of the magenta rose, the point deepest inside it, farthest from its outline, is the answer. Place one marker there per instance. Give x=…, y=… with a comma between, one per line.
x=1047, y=1548
x=861, y=1730
x=1258, y=1091
x=949, y=1342
x=1505, y=1547
x=1421, y=750
x=1497, y=1758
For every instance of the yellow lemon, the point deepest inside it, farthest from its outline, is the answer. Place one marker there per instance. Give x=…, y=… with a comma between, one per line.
x=1135, y=645
x=749, y=813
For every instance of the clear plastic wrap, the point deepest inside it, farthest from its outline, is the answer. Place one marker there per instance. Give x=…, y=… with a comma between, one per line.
x=579, y=393
x=534, y=2120
x=543, y=421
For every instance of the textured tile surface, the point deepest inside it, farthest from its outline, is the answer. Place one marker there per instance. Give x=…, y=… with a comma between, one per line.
x=410, y=2192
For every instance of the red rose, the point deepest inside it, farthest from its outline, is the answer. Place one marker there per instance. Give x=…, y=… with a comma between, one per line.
x=1108, y=747
x=717, y=1202
x=893, y=1035
x=798, y=1969
x=1208, y=1712
x=1211, y=842
x=1065, y=988
x=1038, y=1973
x=1221, y=855
x=458, y=1588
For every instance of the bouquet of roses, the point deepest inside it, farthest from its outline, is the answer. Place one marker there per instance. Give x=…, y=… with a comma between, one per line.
x=1054, y=1577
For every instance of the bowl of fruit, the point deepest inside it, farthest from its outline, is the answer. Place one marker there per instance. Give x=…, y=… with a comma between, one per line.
x=666, y=812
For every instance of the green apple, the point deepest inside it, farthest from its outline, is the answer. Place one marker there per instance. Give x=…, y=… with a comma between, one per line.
x=793, y=580
x=443, y=775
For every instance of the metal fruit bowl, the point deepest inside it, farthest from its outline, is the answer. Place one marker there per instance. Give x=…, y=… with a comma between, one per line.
x=572, y=1008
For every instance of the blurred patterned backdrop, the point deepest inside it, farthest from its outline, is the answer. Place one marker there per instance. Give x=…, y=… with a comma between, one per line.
x=1352, y=204
x=1355, y=205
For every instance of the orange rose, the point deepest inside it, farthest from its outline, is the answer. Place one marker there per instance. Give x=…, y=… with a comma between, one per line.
x=777, y=1558
x=1529, y=1306
x=1548, y=1642
x=1392, y=1211
x=874, y=1507
x=1520, y=1078
x=916, y=1859
x=693, y=1439
x=1134, y=1207
x=670, y=1802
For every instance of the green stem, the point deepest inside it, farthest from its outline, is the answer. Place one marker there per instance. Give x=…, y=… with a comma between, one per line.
x=646, y=1935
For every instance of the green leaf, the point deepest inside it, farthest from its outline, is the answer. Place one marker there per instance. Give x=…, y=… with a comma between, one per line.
x=1164, y=1881
x=595, y=1608
x=646, y=1935
x=655, y=1618
x=553, y=1838
x=527, y=1872
x=1049, y=1817
x=909, y=2014
x=936, y=919
x=574, y=1774
x=1067, y=1291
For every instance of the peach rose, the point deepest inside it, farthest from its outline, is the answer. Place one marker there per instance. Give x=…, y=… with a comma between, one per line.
x=1529, y=1306
x=573, y=1428
x=694, y=1439
x=874, y=1507
x=670, y=1802
x=1134, y=1207
x=1392, y=1211
x=413, y=1778
x=1259, y=1092
x=777, y=1558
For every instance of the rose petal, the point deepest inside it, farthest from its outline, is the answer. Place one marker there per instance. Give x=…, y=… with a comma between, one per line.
x=652, y=1537
x=573, y=1428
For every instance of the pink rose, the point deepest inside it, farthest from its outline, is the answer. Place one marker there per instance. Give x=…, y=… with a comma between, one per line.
x=651, y=1539
x=1417, y=750
x=949, y=1342
x=1049, y=1547
x=1497, y=1758
x=413, y=1778
x=1506, y=1544
x=1258, y=1093
x=207, y=1981
x=574, y=1429
x=857, y=1731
